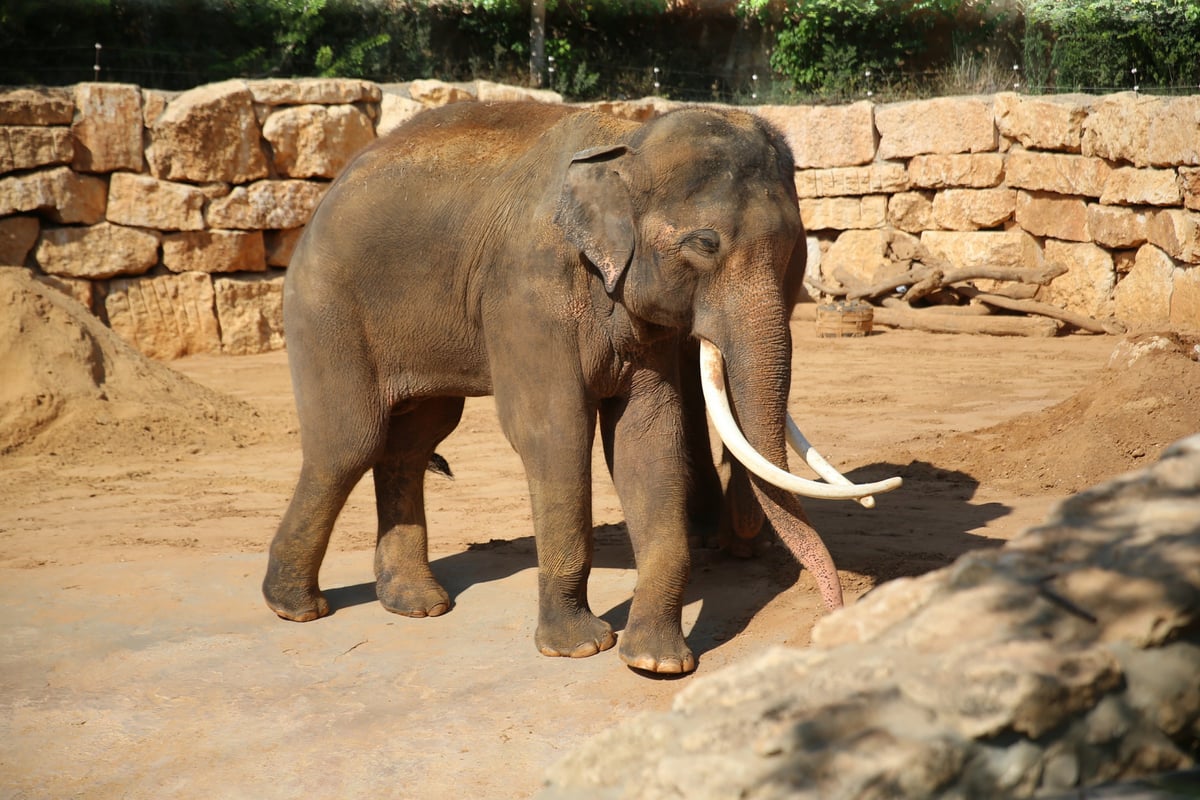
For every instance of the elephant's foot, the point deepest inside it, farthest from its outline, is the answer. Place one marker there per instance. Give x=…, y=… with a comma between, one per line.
x=412, y=597
x=656, y=651
x=294, y=603
x=575, y=636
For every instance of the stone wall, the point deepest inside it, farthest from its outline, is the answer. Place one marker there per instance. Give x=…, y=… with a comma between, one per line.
x=172, y=217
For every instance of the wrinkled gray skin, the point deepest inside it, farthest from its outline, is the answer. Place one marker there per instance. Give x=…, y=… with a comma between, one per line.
x=557, y=259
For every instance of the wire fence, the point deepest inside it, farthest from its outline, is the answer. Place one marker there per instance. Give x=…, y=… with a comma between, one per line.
x=176, y=70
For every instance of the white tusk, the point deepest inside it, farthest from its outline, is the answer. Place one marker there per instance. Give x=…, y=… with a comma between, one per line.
x=802, y=446
x=712, y=381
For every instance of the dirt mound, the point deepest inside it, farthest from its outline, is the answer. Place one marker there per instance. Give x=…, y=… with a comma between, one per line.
x=1147, y=398
x=72, y=386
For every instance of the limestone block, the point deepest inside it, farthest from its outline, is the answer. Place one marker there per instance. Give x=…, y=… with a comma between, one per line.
x=107, y=127
x=1088, y=283
x=147, y=202
x=437, y=93
x=1189, y=184
x=1174, y=135
x=1142, y=299
x=861, y=257
x=154, y=103
x=1057, y=172
x=843, y=213
x=488, y=92
x=192, y=141
x=266, y=204
x=1042, y=123
x=1048, y=214
x=972, y=209
x=1177, y=232
x=1129, y=186
x=280, y=245
x=961, y=170
x=639, y=110
x=36, y=106
x=1013, y=248
x=911, y=211
x=1117, y=226
x=302, y=91
x=826, y=136
x=1144, y=130
x=907, y=248
x=57, y=193
x=97, y=251
x=17, y=237
x=880, y=178
x=394, y=111
x=214, y=251
x=29, y=146
x=250, y=310
x=165, y=316
x=1185, y=299
x=940, y=125
x=314, y=141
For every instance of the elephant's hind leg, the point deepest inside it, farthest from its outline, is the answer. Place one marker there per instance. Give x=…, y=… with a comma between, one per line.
x=290, y=586
x=340, y=442
x=403, y=580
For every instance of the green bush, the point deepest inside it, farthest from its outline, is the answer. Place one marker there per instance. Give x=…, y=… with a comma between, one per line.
x=1096, y=44
x=816, y=49
x=834, y=48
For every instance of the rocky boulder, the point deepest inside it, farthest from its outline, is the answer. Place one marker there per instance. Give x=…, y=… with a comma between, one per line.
x=1067, y=658
x=208, y=134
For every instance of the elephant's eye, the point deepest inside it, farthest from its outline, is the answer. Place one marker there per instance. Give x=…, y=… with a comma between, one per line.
x=705, y=241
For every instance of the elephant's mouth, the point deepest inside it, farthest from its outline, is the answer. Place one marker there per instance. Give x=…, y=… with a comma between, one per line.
x=837, y=485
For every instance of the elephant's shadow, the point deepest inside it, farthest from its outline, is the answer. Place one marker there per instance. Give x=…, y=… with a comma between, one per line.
x=923, y=526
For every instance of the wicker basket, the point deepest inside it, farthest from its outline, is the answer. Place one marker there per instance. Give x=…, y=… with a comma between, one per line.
x=844, y=318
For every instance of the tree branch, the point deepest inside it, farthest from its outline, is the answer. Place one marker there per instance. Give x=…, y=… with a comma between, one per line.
x=1080, y=321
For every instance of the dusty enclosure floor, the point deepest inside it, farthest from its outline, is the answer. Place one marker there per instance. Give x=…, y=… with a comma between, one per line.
x=139, y=660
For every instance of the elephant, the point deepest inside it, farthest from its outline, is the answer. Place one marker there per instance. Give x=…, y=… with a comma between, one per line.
x=560, y=260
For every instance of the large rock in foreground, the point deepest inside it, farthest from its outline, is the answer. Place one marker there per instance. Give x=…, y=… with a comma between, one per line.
x=1068, y=658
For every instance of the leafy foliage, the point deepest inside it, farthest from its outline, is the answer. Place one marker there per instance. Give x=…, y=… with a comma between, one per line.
x=819, y=49
x=838, y=47
x=1096, y=44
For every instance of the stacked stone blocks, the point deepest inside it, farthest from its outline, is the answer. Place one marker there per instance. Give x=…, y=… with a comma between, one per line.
x=172, y=217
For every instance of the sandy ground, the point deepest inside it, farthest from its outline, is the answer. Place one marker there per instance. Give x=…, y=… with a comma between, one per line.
x=138, y=660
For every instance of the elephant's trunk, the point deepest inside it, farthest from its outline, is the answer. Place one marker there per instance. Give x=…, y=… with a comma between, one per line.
x=760, y=391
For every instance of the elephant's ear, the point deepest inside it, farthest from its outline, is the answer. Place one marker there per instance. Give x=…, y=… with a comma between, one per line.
x=596, y=213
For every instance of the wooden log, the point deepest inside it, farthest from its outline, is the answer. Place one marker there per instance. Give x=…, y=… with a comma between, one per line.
x=1017, y=291
x=931, y=278
x=897, y=314
x=974, y=318
x=924, y=287
x=969, y=310
x=824, y=288
x=1081, y=321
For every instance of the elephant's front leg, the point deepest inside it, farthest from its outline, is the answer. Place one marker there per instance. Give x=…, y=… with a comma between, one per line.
x=649, y=466
x=553, y=433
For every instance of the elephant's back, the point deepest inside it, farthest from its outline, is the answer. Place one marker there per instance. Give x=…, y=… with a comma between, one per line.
x=468, y=135
x=428, y=177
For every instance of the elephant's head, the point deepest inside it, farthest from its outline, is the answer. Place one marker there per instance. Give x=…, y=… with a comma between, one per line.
x=694, y=225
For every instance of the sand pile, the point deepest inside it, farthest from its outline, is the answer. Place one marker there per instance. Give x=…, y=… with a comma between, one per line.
x=69, y=385
x=1147, y=398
